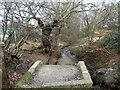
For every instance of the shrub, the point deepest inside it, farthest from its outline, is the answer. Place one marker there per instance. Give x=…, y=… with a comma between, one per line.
x=112, y=41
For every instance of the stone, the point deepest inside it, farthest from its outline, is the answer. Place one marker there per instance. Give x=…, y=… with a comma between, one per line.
x=101, y=70
x=58, y=76
x=110, y=77
x=35, y=66
x=30, y=45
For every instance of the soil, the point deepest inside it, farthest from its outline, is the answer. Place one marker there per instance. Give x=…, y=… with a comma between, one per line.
x=94, y=55
x=95, y=58
x=26, y=60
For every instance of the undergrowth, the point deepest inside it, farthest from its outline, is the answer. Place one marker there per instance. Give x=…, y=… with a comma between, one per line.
x=111, y=41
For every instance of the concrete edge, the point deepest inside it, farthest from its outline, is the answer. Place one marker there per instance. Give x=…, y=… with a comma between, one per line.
x=28, y=74
x=85, y=74
x=68, y=84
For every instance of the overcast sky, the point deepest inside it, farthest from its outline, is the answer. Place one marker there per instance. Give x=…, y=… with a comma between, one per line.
x=59, y=0
x=85, y=1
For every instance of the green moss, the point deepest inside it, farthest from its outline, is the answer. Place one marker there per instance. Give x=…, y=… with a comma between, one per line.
x=23, y=79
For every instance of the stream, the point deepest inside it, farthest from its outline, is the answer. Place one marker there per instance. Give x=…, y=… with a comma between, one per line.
x=66, y=53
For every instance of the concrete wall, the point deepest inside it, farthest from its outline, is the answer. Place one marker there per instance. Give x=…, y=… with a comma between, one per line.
x=1, y=53
x=1, y=57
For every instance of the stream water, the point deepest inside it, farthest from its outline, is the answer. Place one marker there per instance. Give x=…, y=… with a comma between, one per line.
x=66, y=52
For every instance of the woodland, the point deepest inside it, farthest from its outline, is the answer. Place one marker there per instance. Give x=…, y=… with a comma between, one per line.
x=34, y=31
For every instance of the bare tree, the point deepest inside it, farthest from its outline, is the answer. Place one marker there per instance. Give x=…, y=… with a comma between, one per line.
x=94, y=17
x=50, y=16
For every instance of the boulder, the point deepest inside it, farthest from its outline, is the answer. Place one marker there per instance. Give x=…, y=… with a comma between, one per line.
x=31, y=46
x=106, y=76
x=110, y=76
x=101, y=71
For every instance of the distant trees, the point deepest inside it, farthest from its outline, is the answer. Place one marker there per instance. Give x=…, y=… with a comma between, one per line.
x=80, y=15
x=70, y=16
x=96, y=18
x=88, y=17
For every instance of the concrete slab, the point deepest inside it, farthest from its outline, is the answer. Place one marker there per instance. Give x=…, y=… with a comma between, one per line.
x=55, y=73
x=57, y=76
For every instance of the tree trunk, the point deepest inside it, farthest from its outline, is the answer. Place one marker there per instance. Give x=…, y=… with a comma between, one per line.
x=5, y=28
x=5, y=80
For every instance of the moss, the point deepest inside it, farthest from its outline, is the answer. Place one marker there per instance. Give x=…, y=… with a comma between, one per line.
x=5, y=81
x=23, y=79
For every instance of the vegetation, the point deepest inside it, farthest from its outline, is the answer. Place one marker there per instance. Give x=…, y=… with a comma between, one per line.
x=41, y=30
x=112, y=41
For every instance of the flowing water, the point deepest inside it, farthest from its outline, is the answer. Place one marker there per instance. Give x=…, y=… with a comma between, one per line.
x=66, y=52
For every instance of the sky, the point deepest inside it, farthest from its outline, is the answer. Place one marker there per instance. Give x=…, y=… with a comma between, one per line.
x=58, y=0
x=85, y=1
